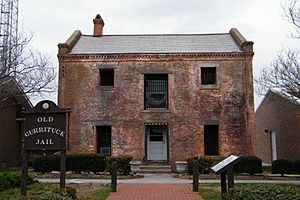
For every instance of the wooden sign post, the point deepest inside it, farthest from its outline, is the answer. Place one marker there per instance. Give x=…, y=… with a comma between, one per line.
x=44, y=128
x=225, y=169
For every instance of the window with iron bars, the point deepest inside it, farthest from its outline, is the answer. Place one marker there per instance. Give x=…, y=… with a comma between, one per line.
x=156, y=91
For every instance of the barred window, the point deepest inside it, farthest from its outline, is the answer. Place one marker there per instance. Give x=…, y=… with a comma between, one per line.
x=156, y=91
x=104, y=140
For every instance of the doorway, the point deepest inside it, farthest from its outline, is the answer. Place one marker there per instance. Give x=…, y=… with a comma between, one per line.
x=157, y=143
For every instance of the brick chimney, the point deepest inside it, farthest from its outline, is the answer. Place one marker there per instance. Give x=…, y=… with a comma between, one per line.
x=98, y=26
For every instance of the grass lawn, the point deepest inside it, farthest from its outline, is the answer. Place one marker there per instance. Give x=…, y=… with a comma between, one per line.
x=83, y=192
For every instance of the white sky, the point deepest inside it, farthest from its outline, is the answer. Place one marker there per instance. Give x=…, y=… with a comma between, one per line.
x=260, y=21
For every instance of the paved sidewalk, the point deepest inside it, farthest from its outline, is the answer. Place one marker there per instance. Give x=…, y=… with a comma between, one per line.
x=161, y=178
x=154, y=192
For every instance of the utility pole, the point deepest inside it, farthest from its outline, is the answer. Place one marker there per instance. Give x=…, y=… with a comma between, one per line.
x=8, y=36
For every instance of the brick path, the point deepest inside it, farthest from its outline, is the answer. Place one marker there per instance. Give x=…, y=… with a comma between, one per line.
x=154, y=192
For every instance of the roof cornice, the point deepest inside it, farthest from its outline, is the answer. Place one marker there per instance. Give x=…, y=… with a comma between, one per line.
x=154, y=57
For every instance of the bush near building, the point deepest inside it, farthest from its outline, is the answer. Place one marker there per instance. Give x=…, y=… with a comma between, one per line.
x=79, y=163
x=286, y=167
x=250, y=164
x=76, y=163
x=204, y=165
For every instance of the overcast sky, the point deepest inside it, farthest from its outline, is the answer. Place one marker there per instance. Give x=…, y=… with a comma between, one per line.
x=260, y=21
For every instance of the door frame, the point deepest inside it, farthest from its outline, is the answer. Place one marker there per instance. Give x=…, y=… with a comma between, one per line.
x=147, y=132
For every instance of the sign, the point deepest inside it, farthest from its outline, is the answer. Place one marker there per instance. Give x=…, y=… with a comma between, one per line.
x=225, y=164
x=45, y=127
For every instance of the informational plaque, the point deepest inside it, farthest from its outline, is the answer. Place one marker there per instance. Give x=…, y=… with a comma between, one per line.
x=45, y=127
x=225, y=164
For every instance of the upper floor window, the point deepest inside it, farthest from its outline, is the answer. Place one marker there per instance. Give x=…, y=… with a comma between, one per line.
x=208, y=76
x=156, y=91
x=106, y=77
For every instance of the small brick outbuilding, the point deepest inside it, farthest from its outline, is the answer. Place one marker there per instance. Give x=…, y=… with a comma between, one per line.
x=158, y=97
x=278, y=128
x=12, y=99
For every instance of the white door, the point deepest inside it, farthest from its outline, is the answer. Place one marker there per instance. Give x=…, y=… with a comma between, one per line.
x=157, y=143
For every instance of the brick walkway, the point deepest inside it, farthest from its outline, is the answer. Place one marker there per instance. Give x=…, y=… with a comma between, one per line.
x=154, y=192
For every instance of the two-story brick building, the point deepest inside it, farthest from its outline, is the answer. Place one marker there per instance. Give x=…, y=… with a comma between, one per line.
x=158, y=97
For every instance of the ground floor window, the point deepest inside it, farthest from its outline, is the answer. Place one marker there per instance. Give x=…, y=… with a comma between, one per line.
x=104, y=140
x=211, y=139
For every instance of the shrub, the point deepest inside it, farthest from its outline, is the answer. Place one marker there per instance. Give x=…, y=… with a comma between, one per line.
x=74, y=162
x=11, y=180
x=250, y=164
x=46, y=164
x=263, y=191
x=67, y=192
x=49, y=195
x=204, y=165
x=123, y=166
x=85, y=163
x=286, y=167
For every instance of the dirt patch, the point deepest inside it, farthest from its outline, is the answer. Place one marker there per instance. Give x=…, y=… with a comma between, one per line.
x=86, y=190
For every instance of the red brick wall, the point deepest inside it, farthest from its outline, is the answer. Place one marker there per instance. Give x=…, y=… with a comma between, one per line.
x=190, y=105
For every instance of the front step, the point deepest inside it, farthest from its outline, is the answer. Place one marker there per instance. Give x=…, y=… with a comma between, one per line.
x=155, y=169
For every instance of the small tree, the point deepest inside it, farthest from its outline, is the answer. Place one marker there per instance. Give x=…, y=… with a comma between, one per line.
x=29, y=68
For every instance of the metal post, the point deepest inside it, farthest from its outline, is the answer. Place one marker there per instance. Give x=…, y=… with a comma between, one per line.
x=24, y=173
x=195, y=175
x=62, y=174
x=114, y=176
x=230, y=177
x=223, y=184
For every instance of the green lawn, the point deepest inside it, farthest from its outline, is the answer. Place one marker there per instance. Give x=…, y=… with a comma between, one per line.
x=83, y=192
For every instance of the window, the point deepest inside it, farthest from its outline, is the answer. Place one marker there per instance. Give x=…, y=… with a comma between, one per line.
x=208, y=75
x=106, y=77
x=104, y=140
x=211, y=141
x=156, y=91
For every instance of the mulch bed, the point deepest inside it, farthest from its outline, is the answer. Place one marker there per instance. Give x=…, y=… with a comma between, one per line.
x=241, y=177
x=83, y=176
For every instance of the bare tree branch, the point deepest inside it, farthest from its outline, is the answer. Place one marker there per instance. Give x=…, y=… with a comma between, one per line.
x=282, y=75
x=30, y=68
x=291, y=13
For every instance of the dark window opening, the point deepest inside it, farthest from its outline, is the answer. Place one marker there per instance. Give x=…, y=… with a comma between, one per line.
x=211, y=140
x=156, y=91
x=208, y=75
x=106, y=77
x=104, y=140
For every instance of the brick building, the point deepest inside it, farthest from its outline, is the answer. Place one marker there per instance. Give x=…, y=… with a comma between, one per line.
x=158, y=97
x=278, y=128
x=11, y=101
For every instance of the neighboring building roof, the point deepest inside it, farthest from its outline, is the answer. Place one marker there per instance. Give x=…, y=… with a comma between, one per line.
x=179, y=43
x=10, y=87
x=278, y=94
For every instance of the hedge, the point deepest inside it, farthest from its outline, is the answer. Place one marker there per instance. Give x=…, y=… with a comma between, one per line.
x=263, y=191
x=123, y=166
x=250, y=164
x=286, y=167
x=204, y=165
x=75, y=162
x=11, y=180
x=78, y=163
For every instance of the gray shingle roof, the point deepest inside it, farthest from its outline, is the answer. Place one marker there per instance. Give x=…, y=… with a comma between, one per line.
x=186, y=43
